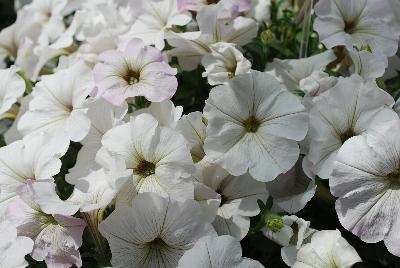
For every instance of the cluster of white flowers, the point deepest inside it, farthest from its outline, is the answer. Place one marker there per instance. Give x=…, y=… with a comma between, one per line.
x=167, y=189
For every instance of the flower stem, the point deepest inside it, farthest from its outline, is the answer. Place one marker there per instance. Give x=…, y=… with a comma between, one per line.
x=308, y=5
x=93, y=219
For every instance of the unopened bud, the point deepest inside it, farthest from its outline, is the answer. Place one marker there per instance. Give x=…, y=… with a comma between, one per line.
x=266, y=36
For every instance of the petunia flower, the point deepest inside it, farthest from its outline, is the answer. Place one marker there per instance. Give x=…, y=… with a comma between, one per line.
x=156, y=17
x=33, y=158
x=12, y=134
x=355, y=23
x=222, y=251
x=49, y=15
x=13, y=36
x=291, y=72
x=190, y=47
x=165, y=112
x=367, y=65
x=138, y=71
x=96, y=190
x=58, y=104
x=232, y=8
x=154, y=232
x=100, y=18
x=341, y=113
x=193, y=128
x=223, y=63
x=327, y=249
x=12, y=87
x=317, y=83
x=260, y=10
x=365, y=179
x=292, y=190
x=236, y=196
x=289, y=231
x=254, y=126
x=57, y=238
x=103, y=117
x=31, y=58
x=13, y=248
x=156, y=157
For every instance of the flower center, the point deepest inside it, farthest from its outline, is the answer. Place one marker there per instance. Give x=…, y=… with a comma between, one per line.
x=274, y=223
x=347, y=135
x=131, y=77
x=224, y=199
x=349, y=27
x=210, y=2
x=231, y=70
x=394, y=177
x=251, y=124
x=157, y=244
x=69, y=108
x=145, y=168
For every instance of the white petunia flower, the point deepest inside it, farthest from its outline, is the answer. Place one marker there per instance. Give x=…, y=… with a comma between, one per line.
x=314, y=85
x=12, y=87
x=12, y=134
x=156, y=157
x=190, y=47
x=223, y=63
x=48, y=14
x=95, y=191
x=232, y=8
x=348, y=109
x=154, y=232
x=367, y=64
x=327, y=249
x=317, y=83
x=222, y=252
x=94, y=46
x=12, y=37
x=291, y=232
x=260, y=10
x=31, y=58
x=103, y=117
x=291, y=72
x=156, y=17
x=227, y=199
x=33, y=158
x=293, y=190
x=42, y=193
x=13, y=248
x=254, y=126
x=57, y=238
x=100, y=17
x=355, y=23
x=165, y=112
x=58, y=104
x=193, y=128
x=366, y=181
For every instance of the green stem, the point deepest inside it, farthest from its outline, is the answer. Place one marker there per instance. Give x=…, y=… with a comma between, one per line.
x=306, y=28
x=93, y=219
x=28, y=83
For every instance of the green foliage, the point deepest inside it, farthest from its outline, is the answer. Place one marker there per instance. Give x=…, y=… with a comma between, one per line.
x=7, y=13
x=193, y=90
x=279, y=39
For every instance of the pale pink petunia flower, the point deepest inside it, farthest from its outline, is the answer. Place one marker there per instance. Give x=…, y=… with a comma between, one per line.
x=138, y=71
x=57, y=238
